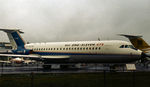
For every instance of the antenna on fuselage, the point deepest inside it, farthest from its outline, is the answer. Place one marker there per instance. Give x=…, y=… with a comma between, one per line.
x=99, y=39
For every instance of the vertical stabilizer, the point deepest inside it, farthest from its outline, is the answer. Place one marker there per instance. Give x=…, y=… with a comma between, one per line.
x=15, y=38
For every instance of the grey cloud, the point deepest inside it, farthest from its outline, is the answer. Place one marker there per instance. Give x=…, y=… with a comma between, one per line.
x=69, y=20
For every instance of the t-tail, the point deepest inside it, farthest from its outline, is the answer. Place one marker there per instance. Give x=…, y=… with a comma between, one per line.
x=138, y=42
x=18, y=44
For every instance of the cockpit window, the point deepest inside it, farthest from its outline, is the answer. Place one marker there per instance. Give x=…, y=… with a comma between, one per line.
x=122, y=46
x=132, y=47
x=128, y=46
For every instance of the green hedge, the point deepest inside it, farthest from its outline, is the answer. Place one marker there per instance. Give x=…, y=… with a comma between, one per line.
x=115, y=79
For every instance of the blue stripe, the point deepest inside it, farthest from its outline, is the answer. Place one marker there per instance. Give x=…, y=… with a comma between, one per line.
x=53, y=53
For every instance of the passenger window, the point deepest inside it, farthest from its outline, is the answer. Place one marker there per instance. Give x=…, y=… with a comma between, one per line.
x=89, y=48
x=93, y=48
x=96, y=48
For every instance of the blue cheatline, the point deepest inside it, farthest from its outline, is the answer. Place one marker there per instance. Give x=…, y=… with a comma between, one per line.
x=59, y=53
x=55, y=53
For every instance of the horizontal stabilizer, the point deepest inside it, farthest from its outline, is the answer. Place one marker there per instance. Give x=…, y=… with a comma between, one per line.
x=11, y=30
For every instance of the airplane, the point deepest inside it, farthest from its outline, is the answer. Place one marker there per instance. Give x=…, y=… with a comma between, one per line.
x=109, y=51
x=17, y=60
x=21, y=61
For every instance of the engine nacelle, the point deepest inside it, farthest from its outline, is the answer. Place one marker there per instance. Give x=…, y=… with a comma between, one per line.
x=22, y=51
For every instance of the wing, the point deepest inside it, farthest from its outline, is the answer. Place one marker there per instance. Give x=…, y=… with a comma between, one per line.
x=35, y=56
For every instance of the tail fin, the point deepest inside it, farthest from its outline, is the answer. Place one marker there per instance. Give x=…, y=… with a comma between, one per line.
x=15, y=38
x=137, y=42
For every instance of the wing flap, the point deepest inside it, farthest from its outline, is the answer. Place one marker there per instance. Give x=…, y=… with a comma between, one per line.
x=55, y=57
x=25, y=56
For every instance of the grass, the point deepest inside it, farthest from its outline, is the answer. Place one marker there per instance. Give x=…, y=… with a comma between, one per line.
x=115, y=79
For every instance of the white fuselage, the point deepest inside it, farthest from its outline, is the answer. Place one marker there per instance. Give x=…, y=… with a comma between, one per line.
x=87, y=51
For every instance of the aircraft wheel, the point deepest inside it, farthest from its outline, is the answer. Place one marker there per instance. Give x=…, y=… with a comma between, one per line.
x=64, y=66
x=47, y=67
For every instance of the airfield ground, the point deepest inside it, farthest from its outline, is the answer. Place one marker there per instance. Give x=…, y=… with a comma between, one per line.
x=100, y=79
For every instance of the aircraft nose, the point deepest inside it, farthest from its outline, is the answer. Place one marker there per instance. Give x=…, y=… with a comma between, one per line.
x=139, y=52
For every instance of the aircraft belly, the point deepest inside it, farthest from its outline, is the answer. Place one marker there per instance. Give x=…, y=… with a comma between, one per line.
x=103, y=58
x=96, y=59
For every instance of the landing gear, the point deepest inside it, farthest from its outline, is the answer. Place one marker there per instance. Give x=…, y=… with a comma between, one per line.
x=58, y=66
x=55, y=66
x=46, y=67
x=64, y=66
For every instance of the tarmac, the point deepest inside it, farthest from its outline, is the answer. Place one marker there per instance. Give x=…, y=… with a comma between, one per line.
x=39, y=69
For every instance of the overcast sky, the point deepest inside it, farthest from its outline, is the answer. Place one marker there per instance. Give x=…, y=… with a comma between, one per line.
x=70, y=20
